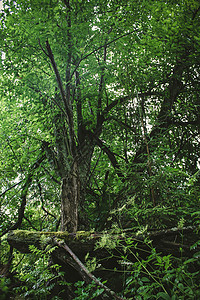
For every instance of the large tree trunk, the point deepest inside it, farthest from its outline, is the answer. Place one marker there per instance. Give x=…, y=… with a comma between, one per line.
x=74, y=181
x=70, y=195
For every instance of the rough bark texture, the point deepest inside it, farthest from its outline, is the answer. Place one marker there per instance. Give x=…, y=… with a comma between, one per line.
x=70, y=194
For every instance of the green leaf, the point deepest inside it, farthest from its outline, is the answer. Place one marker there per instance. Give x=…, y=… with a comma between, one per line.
x=162, y=295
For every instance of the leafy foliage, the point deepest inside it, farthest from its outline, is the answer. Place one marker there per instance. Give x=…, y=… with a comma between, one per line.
x=112, y=87
x=36, y=277
x=161, y=277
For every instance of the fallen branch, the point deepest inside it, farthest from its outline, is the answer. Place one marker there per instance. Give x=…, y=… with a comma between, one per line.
x=171, y=231
x=176, y=245
x=86, y=275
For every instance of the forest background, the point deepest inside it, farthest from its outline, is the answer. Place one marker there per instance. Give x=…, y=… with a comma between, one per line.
x=99, y=132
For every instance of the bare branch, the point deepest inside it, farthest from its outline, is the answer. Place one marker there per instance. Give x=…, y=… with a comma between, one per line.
x=25, y=218
x=114, y=103
x=101, y=84
x=10, y=188
x=110, y=155
x=58, y=78
x=42, y=200
x=86, y=275
x=195, y=13
x=42, y=48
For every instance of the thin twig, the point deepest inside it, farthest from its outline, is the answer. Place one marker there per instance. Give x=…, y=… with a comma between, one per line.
x=98, y=48
x=10, y=188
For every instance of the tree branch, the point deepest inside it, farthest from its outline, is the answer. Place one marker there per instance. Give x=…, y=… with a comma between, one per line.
x=99, y=105
x=100, y=47
x=23, y=196
x=163, y=118
x=79, y=108
x=25, y=218
x=10, y=188
x=42, y=200
x=58, y=78
x=195, y=13
x=52, y=177
x=86, y=275
x=114, y=103
x=110, y=155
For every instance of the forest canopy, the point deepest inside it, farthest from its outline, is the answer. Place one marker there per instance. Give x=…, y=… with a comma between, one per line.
x=99, y=119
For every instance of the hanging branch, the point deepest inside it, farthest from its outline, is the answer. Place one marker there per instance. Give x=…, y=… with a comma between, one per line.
x=148, y=152
x=51, y=177
x=114, y=103
x=25, y=218
x=174, y=89
x=79, y=108
x=110, y=155
x=9, y=144
x=69, y=53
x=103, y=116
x=98, y=48
x=85, y=274
x=195, y=13
x=92, y=172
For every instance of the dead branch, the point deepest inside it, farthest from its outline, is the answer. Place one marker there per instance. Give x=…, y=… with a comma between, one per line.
x=86, y=275
x=171, y=231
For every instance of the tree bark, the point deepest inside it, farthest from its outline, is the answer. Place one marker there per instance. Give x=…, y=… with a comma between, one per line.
x=70, y=194
x=82, y=242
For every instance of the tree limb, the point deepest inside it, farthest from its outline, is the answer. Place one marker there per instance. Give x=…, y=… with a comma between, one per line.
x=114, y=103
x=101, y=84
x=42, y=200
x=58, y=78
x=23, y=196
x=98, y=48
x=163, y=118
x=10, y=188
x=86, y=275
x=110, y=155
x=25, y=218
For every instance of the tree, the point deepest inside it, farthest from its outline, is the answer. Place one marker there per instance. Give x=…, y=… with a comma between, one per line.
x=71, y=82
x=47, y=42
